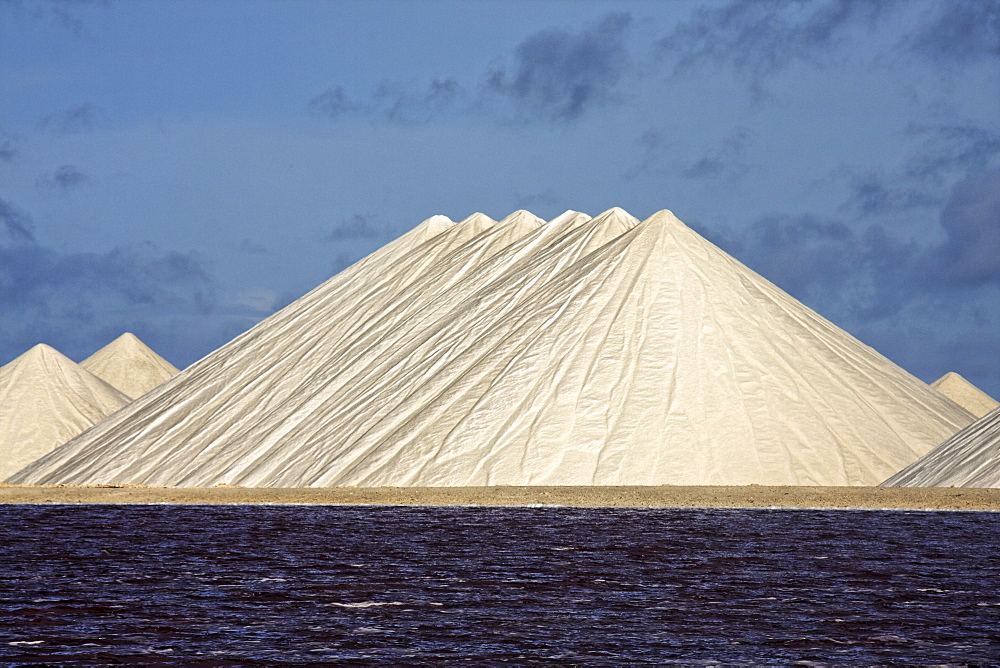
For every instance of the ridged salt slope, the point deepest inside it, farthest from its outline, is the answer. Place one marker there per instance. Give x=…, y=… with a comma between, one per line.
x=129, y=366
x=965, y=394
x=970, y=458
x=261, y=372
x=45, y=400
x=654, y=358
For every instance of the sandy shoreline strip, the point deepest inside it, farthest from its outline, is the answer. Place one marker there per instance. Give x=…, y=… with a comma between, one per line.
x=944, y=498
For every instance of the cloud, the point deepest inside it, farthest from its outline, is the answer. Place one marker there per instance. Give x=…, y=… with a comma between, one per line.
x=951, y=149
x=78, y=302
x=394, y=103
x=960, y=30
x=251, y=247
x=17, y=224
x=763, y=37
x=558, y=75
x=970, y=255
x=65, y=177
x=355, y=227
x=844, y=272
x=333, y=103
x=75, y=119
x=872, y=195
x=61, y=13
x=726, y=160
x=723, y=160
x=8, y=150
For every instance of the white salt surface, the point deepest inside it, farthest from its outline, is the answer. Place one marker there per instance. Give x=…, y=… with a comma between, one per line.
x=965, y=394
x=45, y=400
x=970, y=458
x=130, y=366
x=579, y=352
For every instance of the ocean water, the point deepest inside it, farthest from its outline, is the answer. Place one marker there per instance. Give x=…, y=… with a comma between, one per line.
x=268, y=584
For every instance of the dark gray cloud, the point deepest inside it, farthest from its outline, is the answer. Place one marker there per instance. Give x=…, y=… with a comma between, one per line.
x=960, y=29
x=17, y=225
x=970, y=255
x=558, y=74
x=65, y=177
x=75, y=119
x=355, y=227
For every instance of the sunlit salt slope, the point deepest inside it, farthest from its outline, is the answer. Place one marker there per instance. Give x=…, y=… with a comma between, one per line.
x=129, y=366
x=583, y=351
x=970, y=458
x=45, y=400
x=965, y=394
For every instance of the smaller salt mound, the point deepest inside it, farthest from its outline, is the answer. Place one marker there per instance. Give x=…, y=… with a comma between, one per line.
x=45, y=400
x=130, y=366
x=965, y=394
x=970, y=458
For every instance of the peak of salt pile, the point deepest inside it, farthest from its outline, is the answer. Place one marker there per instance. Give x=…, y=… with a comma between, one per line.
x=965, y=394
x=45, y=400
x=585, y=351
x=970, y=458
x=129, y=366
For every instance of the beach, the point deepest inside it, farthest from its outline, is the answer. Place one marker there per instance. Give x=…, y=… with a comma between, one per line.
x=937, y=498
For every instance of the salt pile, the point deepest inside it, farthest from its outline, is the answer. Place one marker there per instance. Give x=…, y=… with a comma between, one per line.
x=965, y=394
x=45, y=400
x=130, y=366
x=583, y=351
x=970, y=458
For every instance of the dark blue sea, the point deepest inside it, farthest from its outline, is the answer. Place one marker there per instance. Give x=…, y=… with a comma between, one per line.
x=410, y=585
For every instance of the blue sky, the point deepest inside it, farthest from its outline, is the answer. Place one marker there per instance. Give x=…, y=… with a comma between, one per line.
x=182, y=169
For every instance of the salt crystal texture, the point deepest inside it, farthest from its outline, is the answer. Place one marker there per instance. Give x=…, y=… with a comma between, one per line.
x=130, y=366
x=965, y=394
x=970, y=458
x=583, y=351
x=45, y=400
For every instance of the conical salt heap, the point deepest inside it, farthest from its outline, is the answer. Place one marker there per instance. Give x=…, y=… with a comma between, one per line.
x=45, y=400
x=129, y=366
x=970, y=458
x=579, y=352
x=965, y=394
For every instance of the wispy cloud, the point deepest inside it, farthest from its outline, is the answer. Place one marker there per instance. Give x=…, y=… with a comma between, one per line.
x=355, y=227
x=8, y=149
x=65, y=178
x=75, y=119
x=762, y=37
x=394, y=103
x=963, y=30
x=17, y=224
x=552, y=75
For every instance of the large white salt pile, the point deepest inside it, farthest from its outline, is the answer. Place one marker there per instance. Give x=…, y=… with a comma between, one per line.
x=129, y=366
x=965, y=394
x=45, y=400
x=970, y=458
x=579, y=352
